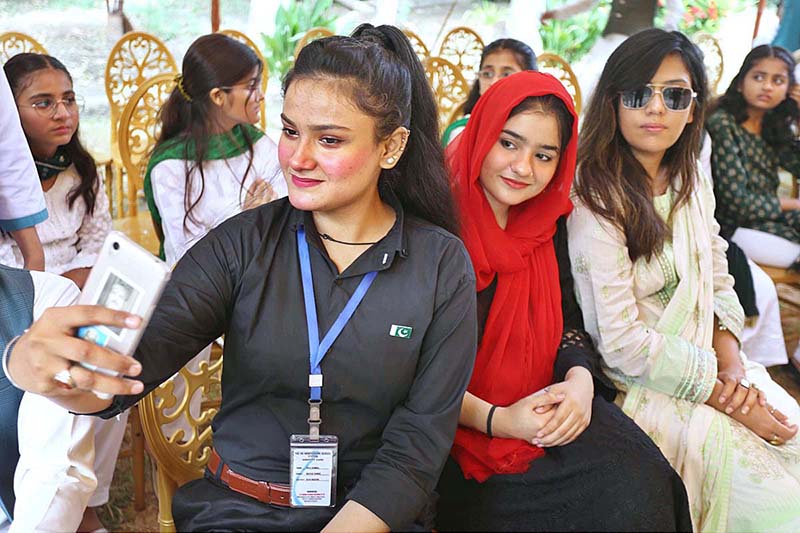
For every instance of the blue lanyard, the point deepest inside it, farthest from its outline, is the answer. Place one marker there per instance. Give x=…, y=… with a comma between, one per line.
x=317, y=349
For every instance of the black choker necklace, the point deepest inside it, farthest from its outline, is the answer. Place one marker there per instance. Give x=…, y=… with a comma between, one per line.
x=327, y=237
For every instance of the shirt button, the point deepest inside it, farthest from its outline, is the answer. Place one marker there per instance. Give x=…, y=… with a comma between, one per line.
x=338, y=282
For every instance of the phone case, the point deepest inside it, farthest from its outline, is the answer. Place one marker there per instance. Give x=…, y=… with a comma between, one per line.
x=126, y=277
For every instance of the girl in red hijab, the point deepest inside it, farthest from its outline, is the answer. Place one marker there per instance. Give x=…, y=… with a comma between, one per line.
x=539, y=445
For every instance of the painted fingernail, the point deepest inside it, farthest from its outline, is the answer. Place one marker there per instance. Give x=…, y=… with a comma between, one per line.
x=137, y=387
x=729, y=410
x=537, y=442
x=133, y=321
x=722, y=399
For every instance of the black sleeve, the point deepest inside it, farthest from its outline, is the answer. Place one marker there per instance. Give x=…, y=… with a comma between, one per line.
x=192, y=312
x=576, y=347
x=420, y=432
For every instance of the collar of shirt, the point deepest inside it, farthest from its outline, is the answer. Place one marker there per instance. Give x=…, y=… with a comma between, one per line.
x=379, y=256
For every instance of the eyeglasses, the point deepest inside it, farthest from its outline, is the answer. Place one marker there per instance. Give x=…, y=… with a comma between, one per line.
x=251, y=87
x=675, y=98
x=490, y=74
x=47, y=107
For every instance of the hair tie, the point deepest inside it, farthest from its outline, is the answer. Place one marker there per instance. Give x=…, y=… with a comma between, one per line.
x=179, y=81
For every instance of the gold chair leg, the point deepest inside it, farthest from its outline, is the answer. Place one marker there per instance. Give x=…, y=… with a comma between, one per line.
x=137, y=444
x=166, y=490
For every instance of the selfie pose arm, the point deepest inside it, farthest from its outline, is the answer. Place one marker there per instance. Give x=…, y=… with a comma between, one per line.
x=191, y=314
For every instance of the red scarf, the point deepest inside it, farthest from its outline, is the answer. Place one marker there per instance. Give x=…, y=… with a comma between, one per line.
x=525, y=322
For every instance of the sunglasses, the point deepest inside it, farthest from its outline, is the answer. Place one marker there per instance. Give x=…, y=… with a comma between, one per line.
x=675, y=98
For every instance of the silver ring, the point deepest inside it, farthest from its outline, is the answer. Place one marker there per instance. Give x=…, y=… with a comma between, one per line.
x=744, y=382
x=64, y=379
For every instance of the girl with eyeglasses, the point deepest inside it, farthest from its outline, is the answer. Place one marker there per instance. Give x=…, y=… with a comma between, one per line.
x=499, y=59
x=79, y=219
x=754, y=129
x=657, y=299
x=51, y=476
x=210, y=162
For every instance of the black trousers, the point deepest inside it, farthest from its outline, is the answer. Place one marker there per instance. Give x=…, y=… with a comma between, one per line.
x=611, y=478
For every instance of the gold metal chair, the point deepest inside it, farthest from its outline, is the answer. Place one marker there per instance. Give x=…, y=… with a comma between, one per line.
x=13, y=43
x=311, y=35
x=712, y=58
x=244, y=39
x=557, y=66
x=419, y=46
x=180, y=458
x=463, y=47
x=450, y=88
x=135, y=58
x=139, y=127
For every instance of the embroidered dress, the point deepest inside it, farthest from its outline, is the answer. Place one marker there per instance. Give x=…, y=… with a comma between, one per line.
x=652, y=322
x=746, y=179
x=223, y=194
x=71, y=237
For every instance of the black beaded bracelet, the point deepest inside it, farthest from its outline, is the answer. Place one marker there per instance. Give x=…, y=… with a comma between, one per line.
x=489, y=421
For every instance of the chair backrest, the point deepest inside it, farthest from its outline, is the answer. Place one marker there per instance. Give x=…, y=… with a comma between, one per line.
x=181, y=458
x=245, y=40
x=463, y=47
x=419, y=46
x=557, y=66
x=712, y=58
x=311, y=35
x=139, y=127
x=450, y=88
x=137, y=57
x=13, y=43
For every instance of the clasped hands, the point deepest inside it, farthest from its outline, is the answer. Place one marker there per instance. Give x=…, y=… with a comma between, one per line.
x=746, y=403
x=553, y=416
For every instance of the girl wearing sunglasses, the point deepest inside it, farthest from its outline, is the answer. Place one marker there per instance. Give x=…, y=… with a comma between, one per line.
x=653, y=284
x=754, y=132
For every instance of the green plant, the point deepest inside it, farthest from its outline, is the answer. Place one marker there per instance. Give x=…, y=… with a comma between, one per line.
x=573, y=38
x=292, y=21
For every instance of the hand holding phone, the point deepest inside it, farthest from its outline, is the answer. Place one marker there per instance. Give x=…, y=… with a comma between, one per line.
x=128, y=278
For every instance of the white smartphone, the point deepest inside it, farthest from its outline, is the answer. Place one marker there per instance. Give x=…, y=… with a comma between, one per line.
x=125, y=277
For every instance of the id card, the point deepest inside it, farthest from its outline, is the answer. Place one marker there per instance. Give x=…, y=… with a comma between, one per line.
x=312, y=470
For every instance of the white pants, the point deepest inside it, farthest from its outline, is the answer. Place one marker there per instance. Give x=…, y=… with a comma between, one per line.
x=66, y=464
x=763, y=342
x=766, y=248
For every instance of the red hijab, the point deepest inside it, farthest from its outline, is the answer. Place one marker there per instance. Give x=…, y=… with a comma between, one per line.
x=525, y=322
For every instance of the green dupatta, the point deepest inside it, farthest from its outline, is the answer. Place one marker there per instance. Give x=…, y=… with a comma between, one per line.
x=220, y=146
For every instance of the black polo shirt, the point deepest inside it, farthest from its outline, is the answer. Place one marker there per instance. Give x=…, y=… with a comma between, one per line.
x=393, y=402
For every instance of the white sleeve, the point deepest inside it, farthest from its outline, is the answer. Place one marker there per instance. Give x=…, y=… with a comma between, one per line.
x=268, y=167
x=21, y=197
x=55, y=475
x=169, y=188
x=94, y=229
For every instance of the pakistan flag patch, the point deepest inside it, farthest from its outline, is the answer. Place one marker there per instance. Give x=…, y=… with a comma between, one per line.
x=404, y=332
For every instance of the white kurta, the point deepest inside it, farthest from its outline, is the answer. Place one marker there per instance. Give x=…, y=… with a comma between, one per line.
x=71, y=238
x=21, y=200
x=55, y=475
x=222, y=198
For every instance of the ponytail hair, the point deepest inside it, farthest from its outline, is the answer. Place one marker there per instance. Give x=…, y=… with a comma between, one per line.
x=212, y=61
x=386, y=81
x=17, y=70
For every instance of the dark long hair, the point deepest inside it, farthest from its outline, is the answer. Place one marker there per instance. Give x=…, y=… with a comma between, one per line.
x=211, y=61
x=610, y=180
x=386, y=81
x=18, y=69
x=522, y=52
x=776, y=128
